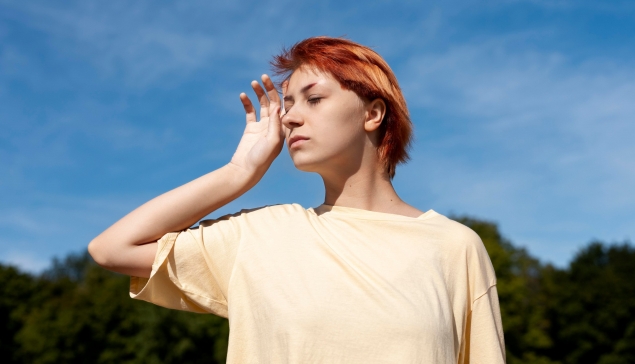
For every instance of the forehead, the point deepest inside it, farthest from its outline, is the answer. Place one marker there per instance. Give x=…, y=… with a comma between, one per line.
x=305, y=76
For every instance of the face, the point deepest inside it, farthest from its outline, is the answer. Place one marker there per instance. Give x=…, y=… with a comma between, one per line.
x=328, y=120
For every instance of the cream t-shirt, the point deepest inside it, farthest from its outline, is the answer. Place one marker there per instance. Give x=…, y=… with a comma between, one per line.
x=334, y=285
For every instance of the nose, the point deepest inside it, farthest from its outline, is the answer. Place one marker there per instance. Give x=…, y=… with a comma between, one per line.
x=291, y=119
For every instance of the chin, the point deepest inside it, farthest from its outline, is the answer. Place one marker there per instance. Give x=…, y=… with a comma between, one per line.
x=304, y=164
x=305, y=167
x=320, y=163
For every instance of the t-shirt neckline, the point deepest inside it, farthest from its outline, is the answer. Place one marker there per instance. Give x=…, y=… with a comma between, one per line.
x=368, y=214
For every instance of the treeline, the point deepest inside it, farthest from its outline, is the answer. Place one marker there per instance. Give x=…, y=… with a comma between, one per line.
x=76, y=312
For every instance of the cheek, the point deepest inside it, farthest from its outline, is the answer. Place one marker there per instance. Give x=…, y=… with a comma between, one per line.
x=346, y=124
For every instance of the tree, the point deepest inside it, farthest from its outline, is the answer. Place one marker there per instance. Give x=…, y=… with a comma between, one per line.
x=77, y=312
x=16, y=290
x=88, y=317
x=593, y=307
x=521, y=295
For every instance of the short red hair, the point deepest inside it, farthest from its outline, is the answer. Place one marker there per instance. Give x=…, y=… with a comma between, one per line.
x=363, y=71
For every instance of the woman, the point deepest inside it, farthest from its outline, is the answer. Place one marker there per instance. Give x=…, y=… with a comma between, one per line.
x=363, y=278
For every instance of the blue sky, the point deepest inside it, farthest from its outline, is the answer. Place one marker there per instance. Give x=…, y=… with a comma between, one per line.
x=524, y=111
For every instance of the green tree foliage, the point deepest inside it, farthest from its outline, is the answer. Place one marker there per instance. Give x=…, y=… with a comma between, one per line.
x=16, y=292
x=77, y=312
x=520, y=291
x=592, y=306
x=81, y=313
x=582, y=314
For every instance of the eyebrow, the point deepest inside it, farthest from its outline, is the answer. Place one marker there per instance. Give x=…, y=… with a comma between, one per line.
x=303, y=90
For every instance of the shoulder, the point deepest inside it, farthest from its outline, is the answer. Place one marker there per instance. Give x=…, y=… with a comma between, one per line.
x=263, y=213
x=455, y=233
x=466, y=246
x=275, y=211
x=463, y=241
x=261, y=220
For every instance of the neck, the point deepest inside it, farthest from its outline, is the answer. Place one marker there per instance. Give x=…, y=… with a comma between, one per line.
x=360, y=181
x=366, y=189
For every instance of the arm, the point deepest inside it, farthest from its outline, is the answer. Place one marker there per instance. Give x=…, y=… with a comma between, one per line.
x=129, y=246
x=485, y=341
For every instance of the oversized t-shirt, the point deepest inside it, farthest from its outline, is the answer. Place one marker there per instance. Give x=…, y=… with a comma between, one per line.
x=334, y=284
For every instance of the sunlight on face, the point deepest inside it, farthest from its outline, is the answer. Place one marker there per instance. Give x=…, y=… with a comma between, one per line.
x=324, y=123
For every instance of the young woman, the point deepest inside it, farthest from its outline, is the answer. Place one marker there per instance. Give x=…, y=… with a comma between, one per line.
x=363, y=278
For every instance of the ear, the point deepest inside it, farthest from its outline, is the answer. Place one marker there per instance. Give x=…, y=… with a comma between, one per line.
x=375, y=112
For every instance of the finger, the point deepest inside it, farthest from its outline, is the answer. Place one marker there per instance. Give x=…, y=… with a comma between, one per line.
x=285, y=130
x=275, y=125
x=249, y=108
x=271, y=89
x=285, y=86
x=262, y=98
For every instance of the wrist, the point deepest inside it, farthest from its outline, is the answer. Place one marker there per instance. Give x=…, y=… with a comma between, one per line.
x=242, y=177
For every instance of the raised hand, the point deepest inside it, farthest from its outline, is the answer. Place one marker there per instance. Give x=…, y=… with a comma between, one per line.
x=262, y=140
x=129, y=246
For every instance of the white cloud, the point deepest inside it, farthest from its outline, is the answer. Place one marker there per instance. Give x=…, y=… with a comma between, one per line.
x=120, y=40
x=531, y=136
x=41, y=226
x=29, y=262
x=548, y=132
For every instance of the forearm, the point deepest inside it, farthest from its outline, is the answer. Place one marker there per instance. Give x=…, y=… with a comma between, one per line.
x=175, y=210
x=129, y=246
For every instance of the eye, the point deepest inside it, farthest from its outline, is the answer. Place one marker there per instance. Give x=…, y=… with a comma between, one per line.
x=314, y=100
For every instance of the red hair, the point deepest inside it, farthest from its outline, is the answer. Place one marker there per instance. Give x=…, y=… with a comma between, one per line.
x=363, y=71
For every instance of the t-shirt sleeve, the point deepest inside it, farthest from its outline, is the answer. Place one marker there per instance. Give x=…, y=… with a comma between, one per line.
x=484, y=340
x=192, y=268
x=484, y=332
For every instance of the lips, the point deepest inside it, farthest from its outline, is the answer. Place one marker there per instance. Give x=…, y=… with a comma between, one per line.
x=296, y=138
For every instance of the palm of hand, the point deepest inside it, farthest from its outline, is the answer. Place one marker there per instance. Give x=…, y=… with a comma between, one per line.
x=262, y=140
x=257, y=147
